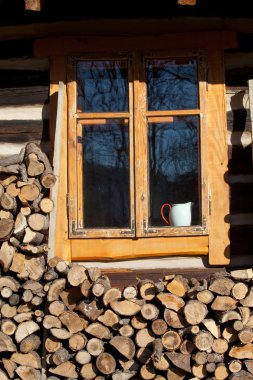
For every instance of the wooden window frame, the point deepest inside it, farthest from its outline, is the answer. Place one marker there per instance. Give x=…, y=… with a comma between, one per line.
x=138, y=117
x=216, y=243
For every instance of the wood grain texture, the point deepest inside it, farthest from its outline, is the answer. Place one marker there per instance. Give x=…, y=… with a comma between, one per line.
x=218, y=162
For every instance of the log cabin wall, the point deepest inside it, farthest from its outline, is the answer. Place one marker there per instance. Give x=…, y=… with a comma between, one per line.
x=24, y=97
x=24, y=116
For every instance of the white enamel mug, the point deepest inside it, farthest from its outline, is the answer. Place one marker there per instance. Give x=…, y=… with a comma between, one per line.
x=180, y=214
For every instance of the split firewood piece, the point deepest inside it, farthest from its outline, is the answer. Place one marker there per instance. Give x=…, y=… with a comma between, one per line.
x=13, y=159
x=95, y=347
x=127, y=308
x=221, y=286
x=12, y=169
x=20, y=226
x=250, y=321
x=249, y=365
x=56, y=308
x=6, y=255
x=91, y=310
x=8, y=327
x=34, y=167
x=171, y=301
x=171, y=340
x=8, y=202
x=76, y=275
x=157, y=350
x=212, y=326
x=220, y=346
x=12, y=190
x=223, y=303
x=73, y=322
x=248, y=300
x=46, y=205
x=10, y=367
x=47, y=178
x=34, y=249
x=203, y=340
x=200, y=357
x=4, y=214
x=50, y=321
x=123, y=345
x=66, y=369
x=27, y=295
x=28, y=373
x=147, y=289
x=52, y=344
x=30, y=343
x=229, y=334
x=61, y=356
x=109, y=319
x=126, y=375
x=98, y=330
x=6, y=228
x=38, y=222
x=175, y=373
x=245, y=314
x=162, y=364
x=242, y=375
x=55, y=289
x=130, y=292
x=147, y=371
x=239, y=290
x=138, y=322
x=242, y=274
x=159, y=327
x=149, y=311
x=8, y=311
x=195, y=312
x=60, y=333
x=180, y=360
x=85, y=288
x=77, y=341
x=6, y=181
x=32, y=237
x=27, y=267
x=126, y=330
x=205, y=296
x=241, y=352
x=221, y=371
x=25, y=329
x=22, y=317
x=83, y=357
x=186, y=347
x=174, y=319
x=178, y=286
x=88, y=371
x=6, y=343
x=101, y=285
x=199, y=371
x=215, y=358
x=235, y=366
x=106, y=363
x=144, y=337
x=29, y=192
x=1, y=190
x=10, y=282
x=94, y=273
x=71, y=296
x=238, y=325
x=3, y=375
x=144, y=355
x=230, y=315
x=129, y=365
x=246, y=335
x=32, y=359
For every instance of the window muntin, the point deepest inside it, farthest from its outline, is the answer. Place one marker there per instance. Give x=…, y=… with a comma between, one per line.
x=142, y=216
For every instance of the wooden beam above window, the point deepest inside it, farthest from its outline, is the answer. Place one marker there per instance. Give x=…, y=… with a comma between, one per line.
x=186, y=2
x=33, y=5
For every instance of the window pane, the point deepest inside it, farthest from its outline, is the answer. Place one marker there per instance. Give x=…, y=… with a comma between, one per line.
x=106, y=180
x=172, y=84
x=174, y=166
x=102, y=86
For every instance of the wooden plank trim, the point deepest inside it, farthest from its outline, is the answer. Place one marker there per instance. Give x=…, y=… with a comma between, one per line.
x=34, y=5
x=250, y=84
x=72, y=45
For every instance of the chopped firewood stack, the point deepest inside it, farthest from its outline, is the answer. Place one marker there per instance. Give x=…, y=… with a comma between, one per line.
x=24, y=203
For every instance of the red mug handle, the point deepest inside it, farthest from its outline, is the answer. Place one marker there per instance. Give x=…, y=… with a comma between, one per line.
x=162, y=212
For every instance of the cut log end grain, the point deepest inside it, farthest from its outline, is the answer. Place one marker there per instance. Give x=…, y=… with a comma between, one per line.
x=171, y=340
x=106, y=363
x=195, y=312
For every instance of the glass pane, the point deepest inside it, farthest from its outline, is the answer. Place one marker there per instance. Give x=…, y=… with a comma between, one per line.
x=172, y=84
x=106, y=180
x=102, y=86
x=174, y=167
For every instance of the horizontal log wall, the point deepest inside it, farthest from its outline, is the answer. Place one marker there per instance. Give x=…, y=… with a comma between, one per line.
x=24, y=100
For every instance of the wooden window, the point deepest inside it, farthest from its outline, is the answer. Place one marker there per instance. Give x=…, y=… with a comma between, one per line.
x=137, y=135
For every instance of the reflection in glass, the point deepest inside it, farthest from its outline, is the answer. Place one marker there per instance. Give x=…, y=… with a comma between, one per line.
x=174, y=166
x=106, y=175
x=172, y=84
x=102, y=86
